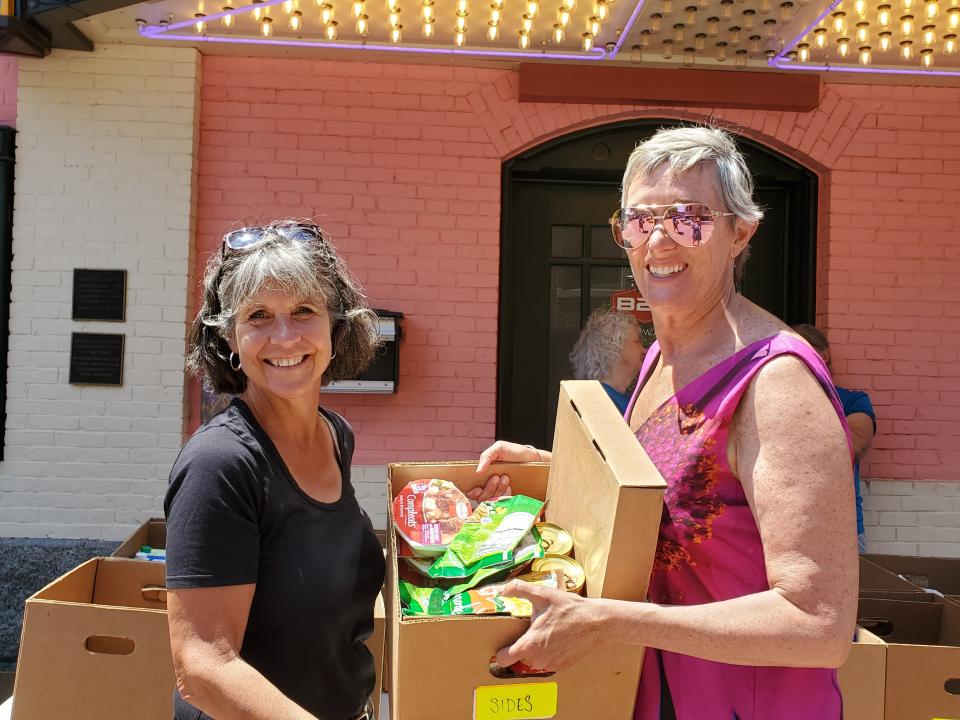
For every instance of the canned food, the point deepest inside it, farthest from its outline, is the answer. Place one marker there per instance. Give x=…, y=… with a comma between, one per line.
x=554, y=539
x=573, y=574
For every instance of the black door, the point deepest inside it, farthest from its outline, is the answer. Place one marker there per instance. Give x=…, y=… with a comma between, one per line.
x=559, y=263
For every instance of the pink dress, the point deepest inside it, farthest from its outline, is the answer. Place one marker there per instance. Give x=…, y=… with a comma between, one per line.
x=709, y=547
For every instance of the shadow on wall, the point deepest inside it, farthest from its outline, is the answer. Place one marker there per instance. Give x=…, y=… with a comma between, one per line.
x=26, y=565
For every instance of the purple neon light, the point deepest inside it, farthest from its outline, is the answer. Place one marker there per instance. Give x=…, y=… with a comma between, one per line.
x=780, y=62
x=626, y=31
x=595, y=54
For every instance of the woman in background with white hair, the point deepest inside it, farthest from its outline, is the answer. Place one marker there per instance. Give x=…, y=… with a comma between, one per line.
x=609, y=350
x=753, y=592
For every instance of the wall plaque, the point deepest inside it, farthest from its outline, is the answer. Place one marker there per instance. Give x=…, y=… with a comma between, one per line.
x=99, y=294
x=96, y=359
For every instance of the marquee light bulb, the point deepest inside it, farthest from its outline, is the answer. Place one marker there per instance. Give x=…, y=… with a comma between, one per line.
x=820, y=37
x=523, y=40
x=865, y=56
x=363, y=26
x=926, y=57
x=843, y=47
x=863, y=32
x=884, y=15
x=885, y=43
x=296, y=20
x=427, y=29
x=331, y=30
x=200, y=24
x=949, y=44
x=266, y=26
x=906, y=49
x=227, y=20
x=493, y=31
x=587, y=43
x=326, y=13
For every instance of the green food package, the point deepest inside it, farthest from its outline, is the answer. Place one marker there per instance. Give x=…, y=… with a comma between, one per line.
x=529, y=549
x=485, y=600
x=488, y=537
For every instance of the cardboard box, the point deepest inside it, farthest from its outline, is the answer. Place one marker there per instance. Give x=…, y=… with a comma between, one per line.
x=601, y=487
x=874, y=577
x=153, y=532
x=923, y=655
x=942, y=574
x=863, y=678
x=95, y=645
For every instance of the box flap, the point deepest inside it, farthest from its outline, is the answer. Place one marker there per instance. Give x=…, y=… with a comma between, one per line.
x=605, y=491
x=874, y=577
x=131, y=583
x=153, y=532
x=74, y=586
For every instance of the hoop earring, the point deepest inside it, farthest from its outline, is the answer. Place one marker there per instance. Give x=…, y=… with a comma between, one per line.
x=235, y=368
x=333, y=356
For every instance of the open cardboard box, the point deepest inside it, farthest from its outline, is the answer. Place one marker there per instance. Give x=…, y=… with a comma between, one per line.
x=942, y=574
x=602, y=488
x=153, y=532
x=95, y=645
x=923, y=654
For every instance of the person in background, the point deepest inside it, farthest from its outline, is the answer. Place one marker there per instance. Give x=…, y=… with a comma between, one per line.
x=753, y=592
x=609, y=350
x=272, y=566
x=860, y=417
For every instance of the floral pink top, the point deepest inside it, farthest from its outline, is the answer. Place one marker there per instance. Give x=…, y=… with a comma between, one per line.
x=709, y=547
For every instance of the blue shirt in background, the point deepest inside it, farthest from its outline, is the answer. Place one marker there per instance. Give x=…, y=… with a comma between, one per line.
x=856, y=401
x=621, y=400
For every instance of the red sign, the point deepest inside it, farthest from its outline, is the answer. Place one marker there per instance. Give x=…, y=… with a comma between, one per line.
x=631, y=301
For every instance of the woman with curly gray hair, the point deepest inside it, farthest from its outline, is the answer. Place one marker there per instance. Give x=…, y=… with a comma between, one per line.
x=609, y=350
x=272, y=567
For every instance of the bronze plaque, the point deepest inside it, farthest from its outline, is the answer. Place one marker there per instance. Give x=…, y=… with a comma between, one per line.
x=96, y=359
x=99, y=294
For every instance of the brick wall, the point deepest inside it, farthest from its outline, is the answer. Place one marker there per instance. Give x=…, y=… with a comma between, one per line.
x=105, y=159
x=402, y=164
x=8, y=91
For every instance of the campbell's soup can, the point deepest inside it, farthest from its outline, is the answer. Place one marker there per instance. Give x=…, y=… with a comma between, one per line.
x=573, y=575
x=554, y=539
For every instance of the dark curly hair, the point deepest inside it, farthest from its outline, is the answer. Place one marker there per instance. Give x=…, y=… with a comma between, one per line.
x=312, y=270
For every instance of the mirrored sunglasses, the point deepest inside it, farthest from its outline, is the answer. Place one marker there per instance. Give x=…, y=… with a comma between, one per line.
x=687, y=224
x=245, y=238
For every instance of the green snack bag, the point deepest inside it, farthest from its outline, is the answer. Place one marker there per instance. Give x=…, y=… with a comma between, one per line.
x=529, y=549
x=485, y=600
x=488, y=537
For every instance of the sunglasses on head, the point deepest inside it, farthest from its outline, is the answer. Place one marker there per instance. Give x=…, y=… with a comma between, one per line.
x=687, y=224
x=247, y=237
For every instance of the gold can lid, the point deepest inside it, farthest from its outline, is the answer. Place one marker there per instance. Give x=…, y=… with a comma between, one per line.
x=554, y=539
x=573, y=573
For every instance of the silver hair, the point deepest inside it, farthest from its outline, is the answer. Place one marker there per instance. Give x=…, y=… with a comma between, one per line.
x=600, y=343
x=684, y=148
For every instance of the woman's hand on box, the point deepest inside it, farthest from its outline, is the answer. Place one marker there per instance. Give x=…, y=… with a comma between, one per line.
x=503, y=451
x=563, y=628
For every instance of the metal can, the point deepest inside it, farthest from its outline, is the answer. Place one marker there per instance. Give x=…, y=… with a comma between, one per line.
x=573, y=574
x=554, y=539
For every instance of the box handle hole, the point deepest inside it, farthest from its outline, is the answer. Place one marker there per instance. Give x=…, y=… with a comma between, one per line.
x=602, y=455
x=517, y=670
x=881, y=627
x=154, y=593
x=576, y=409
x=952, y=686
x=109, y=645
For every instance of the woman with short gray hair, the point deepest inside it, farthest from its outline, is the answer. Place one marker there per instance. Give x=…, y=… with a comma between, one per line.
x=753, y=592
x=272, y=566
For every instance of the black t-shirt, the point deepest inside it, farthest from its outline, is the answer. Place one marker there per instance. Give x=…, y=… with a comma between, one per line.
x=235, y=516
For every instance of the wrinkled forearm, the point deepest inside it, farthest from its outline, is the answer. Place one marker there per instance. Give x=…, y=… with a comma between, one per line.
x=760, y=629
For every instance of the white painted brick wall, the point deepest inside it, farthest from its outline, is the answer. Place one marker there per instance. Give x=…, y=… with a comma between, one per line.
x=106, y=165
x=912, y=518
x=370, y=485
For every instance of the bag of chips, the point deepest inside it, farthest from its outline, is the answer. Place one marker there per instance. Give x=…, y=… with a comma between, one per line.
x=485, y=600
x=489, y=536
x=529, y=549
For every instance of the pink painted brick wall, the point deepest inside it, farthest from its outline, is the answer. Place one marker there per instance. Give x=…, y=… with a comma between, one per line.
x=8, y=91
x=402, y=164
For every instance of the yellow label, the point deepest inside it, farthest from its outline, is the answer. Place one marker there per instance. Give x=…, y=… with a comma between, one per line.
x=523, y=701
